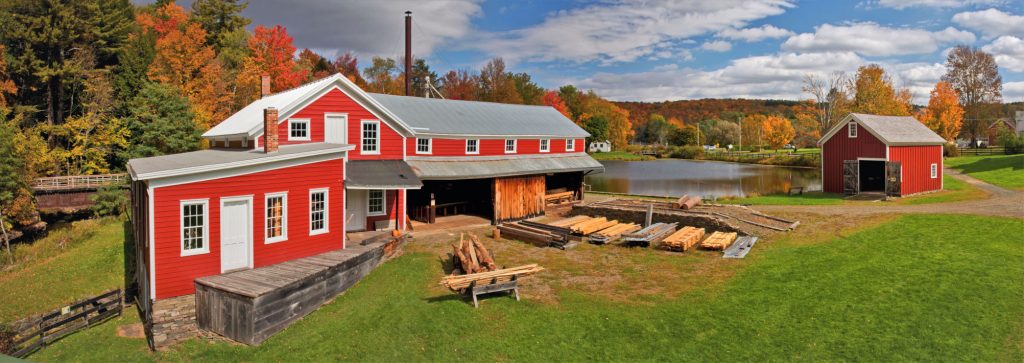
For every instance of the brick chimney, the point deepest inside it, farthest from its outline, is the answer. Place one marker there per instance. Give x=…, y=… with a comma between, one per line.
x=270, y=130
x=264, y=85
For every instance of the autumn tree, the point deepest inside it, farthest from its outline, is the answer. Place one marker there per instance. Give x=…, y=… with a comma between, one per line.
x=752, y=129
x=315, y=65
x=7, y=86
x=831, y=97
x=529, y=92
x=573, y=99
x=655, y=131
x=460, y=85
x=348, y=65
x=12, y=182
x=551, y=99
x=270, y=53
x=807, y=125
x=875, y=93
x=497, y=85
x=777, y=131
x=384, y=76
x=620, y=130
x=944, y=114
x=974, y=75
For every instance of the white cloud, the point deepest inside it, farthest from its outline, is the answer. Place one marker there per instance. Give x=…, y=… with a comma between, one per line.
x=903, y=4
x=1008, y=52
x=875, y=40
x=623, y=31
x=717, y=46
x=751, y=35
x=991, y=22
x=1013, y=91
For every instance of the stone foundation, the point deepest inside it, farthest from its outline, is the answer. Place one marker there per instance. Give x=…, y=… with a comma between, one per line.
x=174, y=320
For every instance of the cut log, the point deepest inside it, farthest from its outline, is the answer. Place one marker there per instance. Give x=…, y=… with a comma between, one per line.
x=485, y=256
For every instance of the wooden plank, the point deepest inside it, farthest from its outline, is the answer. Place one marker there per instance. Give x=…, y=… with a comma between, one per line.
x=569, y=221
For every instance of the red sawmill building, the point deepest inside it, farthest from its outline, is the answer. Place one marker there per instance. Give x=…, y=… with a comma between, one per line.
x=290, y=174
x=895, y=155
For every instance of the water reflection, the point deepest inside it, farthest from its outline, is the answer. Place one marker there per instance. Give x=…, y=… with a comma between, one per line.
x=674, y=177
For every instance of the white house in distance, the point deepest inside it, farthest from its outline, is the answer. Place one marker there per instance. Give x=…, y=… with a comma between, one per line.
x=600, y=146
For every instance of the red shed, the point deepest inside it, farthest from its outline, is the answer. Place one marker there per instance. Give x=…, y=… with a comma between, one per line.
x=897, y=155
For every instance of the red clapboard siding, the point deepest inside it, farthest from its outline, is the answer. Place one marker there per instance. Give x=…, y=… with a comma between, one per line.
x=395, y=205
x=916, y=162
x=175, y=274
x=840, y=147
x=457, y=147
x=337, y=101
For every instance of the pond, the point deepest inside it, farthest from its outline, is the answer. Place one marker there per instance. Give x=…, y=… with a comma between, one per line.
x=675, y=177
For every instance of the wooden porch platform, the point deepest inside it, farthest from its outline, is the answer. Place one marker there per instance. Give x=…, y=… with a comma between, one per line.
x=251, y=305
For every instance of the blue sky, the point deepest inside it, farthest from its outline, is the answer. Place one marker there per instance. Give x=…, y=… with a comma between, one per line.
x=664, y=50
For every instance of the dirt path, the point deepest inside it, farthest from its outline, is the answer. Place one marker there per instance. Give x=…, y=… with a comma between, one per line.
x=1001, y=202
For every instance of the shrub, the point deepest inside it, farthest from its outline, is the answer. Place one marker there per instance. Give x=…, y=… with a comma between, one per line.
x=1013, y=143
x=950, y=150
x=110, y=200
x=687, y=152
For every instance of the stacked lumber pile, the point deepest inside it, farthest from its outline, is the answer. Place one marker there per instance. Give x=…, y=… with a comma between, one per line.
x=687, y=202
x=613, y=233
x=652, y=234
x=591, y=226
x=461, y=282
x=532, y=233
x=559, y=198
x=719, y=240
x=569, y=221
x=683, y=239
x=472, y=256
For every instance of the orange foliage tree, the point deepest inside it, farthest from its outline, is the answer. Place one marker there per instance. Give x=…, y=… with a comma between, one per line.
x=551, y=99
x=270, y=53
x=875, y=93
x=777, y=131
x=185, y=62
x=944, y=114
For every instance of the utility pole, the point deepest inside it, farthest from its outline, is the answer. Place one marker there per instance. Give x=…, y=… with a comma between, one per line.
x=408, y=53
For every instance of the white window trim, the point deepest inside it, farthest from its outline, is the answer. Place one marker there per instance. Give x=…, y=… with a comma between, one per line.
x=284, y=217
x=515, y=146
x=851, y=130
x=206, y=227
x=477, y=152
x=309, y=132
x=362, y=138
x=383, y=203
x=570, y=145
x=545, y=145
x=327, y=211
x=430, y=146
x=933, y=170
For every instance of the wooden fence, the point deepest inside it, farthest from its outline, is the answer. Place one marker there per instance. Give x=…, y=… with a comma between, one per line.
x=982, y=151
x=36, y=332
x=74, y=182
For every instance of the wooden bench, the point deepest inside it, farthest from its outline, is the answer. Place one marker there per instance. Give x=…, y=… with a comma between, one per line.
x=796, y=191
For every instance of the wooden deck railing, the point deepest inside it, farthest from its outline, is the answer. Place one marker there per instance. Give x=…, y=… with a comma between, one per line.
x=72, y=182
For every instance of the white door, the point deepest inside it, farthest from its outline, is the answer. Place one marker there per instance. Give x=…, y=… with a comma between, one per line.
x=335, y=129
x=235, y=233
x=355, y=215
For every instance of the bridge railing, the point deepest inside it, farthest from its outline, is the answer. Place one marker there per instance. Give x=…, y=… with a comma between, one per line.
x=73, y=182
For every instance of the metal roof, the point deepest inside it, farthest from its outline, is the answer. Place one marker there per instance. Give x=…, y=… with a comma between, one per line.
x=433, y=116
x=474, y=168
x=380, y=174
x=218, y=159
x=251, y=116
x=891, y=130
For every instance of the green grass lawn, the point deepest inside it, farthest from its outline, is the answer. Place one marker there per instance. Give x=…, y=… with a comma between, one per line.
x=916, y=288
x=49, y=275
x=1006, y=171
x=808, y=198
x=621, y=156
x=954, y=190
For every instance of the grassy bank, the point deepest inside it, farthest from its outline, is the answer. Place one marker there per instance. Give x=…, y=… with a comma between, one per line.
x=894, y=291
x=1006, y=171
x=70, y=263
x=620, y=156
x=954, y=190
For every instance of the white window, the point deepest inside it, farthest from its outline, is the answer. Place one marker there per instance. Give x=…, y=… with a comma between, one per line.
x=510, y=146
x=935, y=171
x=375, y=203
x=423, y=146
x=545, y=145
x=194, y=222
x=851, y=130
x=472, y=146
x=371, y=137
x=570, y=145
x=276, y=216
x=298, y=129
x=317, y=211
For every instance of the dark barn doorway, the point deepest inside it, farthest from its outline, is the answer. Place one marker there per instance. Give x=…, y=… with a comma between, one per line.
x=872, y=175
x=451, y=197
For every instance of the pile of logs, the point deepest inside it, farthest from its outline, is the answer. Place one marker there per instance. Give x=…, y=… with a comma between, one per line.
x=613, y=233
x=687, y=202
x=472, y=257
x=461, y=282
x=683, y=239
x=719, y=240
x=559, y=198
x=650, y=235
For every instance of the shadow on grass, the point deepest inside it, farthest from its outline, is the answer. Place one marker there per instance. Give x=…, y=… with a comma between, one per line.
x=1015, y=163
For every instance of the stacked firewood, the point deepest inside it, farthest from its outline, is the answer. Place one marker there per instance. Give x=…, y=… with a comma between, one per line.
x=472, y=257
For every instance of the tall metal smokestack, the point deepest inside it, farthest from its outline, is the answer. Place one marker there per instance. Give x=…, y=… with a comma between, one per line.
x=408, y=53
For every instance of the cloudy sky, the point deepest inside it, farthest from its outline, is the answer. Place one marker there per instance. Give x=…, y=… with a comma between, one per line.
x=656, y=50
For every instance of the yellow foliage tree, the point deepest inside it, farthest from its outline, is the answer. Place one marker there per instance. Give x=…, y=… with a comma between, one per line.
x=875, y=93
x=944, y=114
x=777, y=131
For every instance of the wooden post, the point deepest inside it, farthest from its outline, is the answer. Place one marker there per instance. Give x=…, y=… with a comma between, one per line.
x=432, y=213
x=496, y=197
x=650, y=215
x=583, y=185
